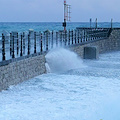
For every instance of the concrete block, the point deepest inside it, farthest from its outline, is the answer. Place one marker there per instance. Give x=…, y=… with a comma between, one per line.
x=91, y=53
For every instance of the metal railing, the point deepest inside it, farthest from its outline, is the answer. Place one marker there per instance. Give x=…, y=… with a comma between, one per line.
x=21, y=45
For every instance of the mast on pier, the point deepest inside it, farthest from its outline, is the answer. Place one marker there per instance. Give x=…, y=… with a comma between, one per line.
x=67, y=13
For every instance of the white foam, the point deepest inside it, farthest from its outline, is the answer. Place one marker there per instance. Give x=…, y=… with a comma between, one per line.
x=92, y=93
x=61, y=60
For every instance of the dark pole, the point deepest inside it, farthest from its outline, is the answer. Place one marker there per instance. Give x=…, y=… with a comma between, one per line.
x=84, y=35
x=52, y=40
x=10, y=44
x=72, y=36
x=13, y=54
x=3, y=47
x=56, y=38
x=21, y=53
x=41, y=44
x=81, y=36
x=60, y=35
x=17, y=44
x=75, y=36
x=64, y=23
x=23, y=42
x=65, y=37
x=46, y=40
x=78, y=35
x=34, y=42
x=28, y=44
x=69, y=38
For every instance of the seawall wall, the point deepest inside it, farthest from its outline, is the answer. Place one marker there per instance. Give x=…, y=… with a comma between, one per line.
x=19, y=71
x=104, y=45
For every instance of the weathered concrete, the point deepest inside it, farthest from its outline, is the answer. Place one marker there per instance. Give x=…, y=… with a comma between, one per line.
x=90, y=52
x=20, y=71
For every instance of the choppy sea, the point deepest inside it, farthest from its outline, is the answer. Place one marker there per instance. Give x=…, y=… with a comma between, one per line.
x=42, y=26
x=73, y=89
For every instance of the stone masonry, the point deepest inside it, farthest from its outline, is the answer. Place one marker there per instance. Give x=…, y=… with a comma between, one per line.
x=106, y=45
x=20, y=71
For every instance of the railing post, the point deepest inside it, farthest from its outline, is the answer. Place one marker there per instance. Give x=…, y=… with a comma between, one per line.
x=69, y=38
x=52, y=40
x=3, y=47
x=75, y=36
x=21, y=53
x=81, y=36
x=28, y=44
x=78, y=36
x=34, y=42
x=56, y=39
x=41, y=46
x=17, y=44
x=65, y=37
x=60, y=38
x=23, y=42
x=91, y=35
x=84, y=35
x=13, y=54
x=72, y=37
x=40, y=39
x=10, y=44
x=49, y=40
x=46, y=40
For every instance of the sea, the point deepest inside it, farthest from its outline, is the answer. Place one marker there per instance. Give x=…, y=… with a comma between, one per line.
x=43, y=26
x=72, y=88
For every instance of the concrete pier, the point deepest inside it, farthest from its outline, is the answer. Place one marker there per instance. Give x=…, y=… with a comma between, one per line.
x=17, y=70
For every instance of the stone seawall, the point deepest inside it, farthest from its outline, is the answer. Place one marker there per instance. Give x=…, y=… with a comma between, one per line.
x=17, y=72
x=106, y=45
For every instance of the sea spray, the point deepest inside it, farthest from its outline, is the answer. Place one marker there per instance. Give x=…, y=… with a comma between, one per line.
x=61, y=60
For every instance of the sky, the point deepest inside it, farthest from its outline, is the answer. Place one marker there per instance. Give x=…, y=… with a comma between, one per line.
x=52, y=10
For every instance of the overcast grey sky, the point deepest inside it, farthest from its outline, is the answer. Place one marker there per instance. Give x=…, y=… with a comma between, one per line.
x=52, y=10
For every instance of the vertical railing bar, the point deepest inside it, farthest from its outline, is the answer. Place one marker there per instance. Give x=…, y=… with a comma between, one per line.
x=52, y=40
x=28, y=44
x=41, y=43
x=23, y=42
x=10, y=44
x=17, y=45
x=69, y=38
x=34, y=42
x=3, y=47
x=13, y=54
x=21, y=50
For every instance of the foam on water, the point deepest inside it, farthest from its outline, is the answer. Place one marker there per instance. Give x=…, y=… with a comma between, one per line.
x=61, y=60
x=85, y=93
